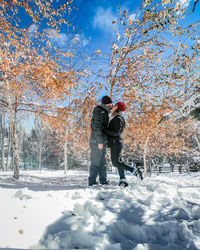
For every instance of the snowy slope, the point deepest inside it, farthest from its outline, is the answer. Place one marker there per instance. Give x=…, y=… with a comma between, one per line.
x=48, y=210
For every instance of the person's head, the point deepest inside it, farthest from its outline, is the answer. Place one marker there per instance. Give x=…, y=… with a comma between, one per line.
x=120, y=106
x=107, y=100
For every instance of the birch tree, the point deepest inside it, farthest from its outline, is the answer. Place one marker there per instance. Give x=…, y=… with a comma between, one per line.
x=32, y=78
x=149, y=69
x=2, y=140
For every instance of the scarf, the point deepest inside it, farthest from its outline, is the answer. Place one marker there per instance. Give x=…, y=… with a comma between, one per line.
x=112, y=115
x=108, y=109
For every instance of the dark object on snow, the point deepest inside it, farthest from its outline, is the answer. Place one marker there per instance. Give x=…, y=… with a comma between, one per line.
x=115, y=142
x=105, y=183
x=100, y=119
x=139, y=173
x=123, y=183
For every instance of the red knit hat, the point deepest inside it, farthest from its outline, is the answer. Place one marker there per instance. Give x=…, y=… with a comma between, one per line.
x=121, y=106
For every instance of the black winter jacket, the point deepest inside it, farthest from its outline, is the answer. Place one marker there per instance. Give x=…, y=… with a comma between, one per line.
x=99, y=122
x=115, y=129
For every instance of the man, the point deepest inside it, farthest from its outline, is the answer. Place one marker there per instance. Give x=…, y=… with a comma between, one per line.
x=100, y=120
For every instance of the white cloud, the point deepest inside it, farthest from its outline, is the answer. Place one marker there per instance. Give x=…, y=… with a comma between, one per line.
x=33, y=28
x=59, y=39
x=132, y=16
x=103, y=19
x=79, y=39
x=64, y=40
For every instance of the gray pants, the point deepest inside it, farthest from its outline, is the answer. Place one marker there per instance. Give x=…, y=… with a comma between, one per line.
x=98, y=164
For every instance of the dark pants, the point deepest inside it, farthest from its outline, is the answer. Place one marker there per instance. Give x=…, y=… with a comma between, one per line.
x=116, y=149
x=98, y=164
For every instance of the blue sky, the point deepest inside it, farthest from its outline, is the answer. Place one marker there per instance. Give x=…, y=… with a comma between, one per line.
x=93, y=19
x=93, y=22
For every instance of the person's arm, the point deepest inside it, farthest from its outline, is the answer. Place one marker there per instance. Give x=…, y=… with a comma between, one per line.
x=98, y=124
x=116, y=128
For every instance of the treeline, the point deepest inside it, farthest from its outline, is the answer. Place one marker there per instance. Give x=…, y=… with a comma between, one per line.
x=41, y=148
x=38, y=149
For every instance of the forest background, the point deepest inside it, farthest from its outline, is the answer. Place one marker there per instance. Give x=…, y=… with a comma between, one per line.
x=53, y=73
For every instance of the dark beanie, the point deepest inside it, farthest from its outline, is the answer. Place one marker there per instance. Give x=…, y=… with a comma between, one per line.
x=106, y=99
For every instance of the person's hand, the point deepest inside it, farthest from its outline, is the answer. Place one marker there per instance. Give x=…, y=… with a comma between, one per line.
x=100, y=146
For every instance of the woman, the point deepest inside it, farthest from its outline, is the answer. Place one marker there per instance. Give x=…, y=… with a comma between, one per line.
x=115, y=143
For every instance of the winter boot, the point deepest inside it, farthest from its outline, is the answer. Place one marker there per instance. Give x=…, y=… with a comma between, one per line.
x=139, y=173
x=93, y=184
x=123, y=183
x=105, y=183
x=134, y=171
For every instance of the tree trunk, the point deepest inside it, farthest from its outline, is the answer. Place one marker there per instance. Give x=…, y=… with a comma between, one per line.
x=40, y=155
x=59, y=162
x=157, y=169
x=65, y=156
x=15, y=146
x=197, y=140
x=2, y=142
x=145, y=155
x=172, y=167
x=13, y=122
x=180, y=168
x=149, y=168
x=9, y=151
x=187, y=167
x=3, y=154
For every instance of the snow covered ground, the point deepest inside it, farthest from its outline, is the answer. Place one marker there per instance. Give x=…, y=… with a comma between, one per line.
x=48, y=210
